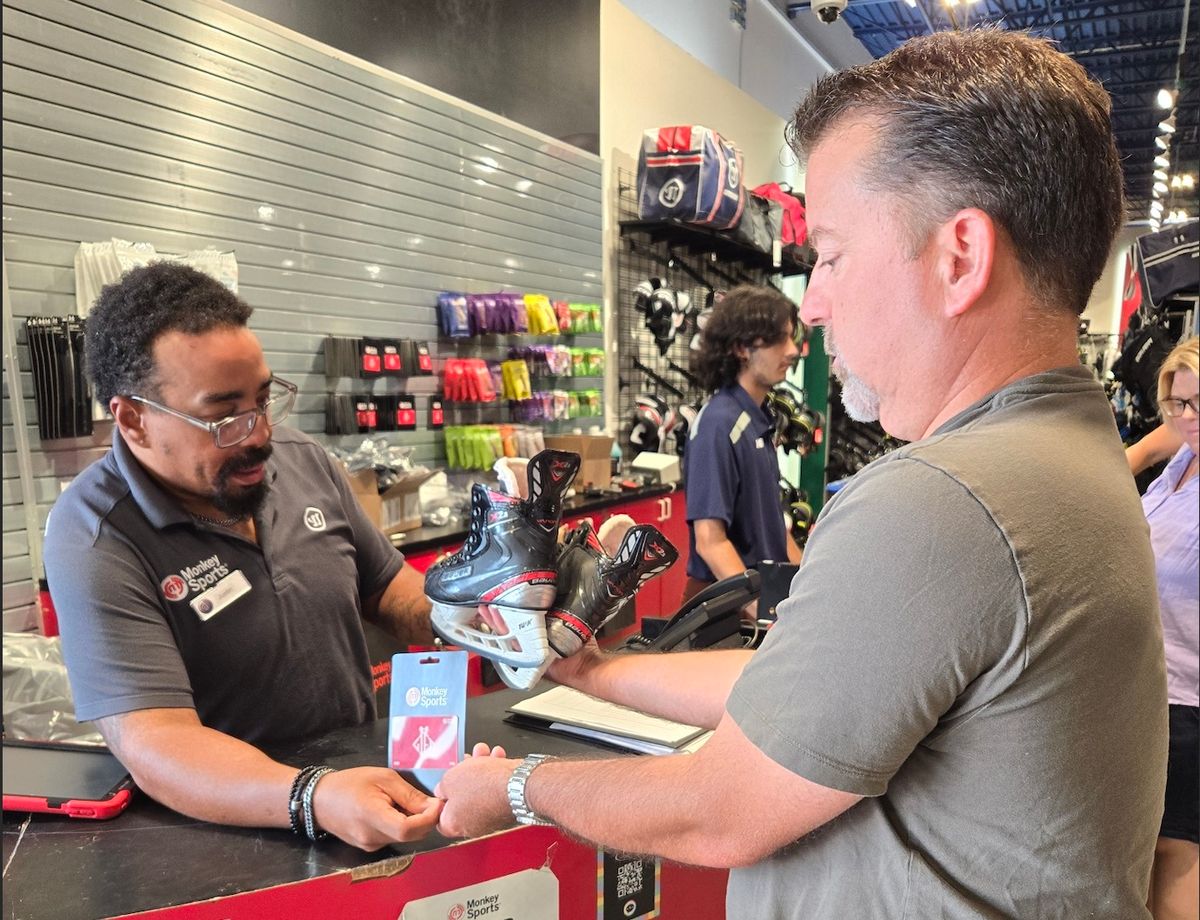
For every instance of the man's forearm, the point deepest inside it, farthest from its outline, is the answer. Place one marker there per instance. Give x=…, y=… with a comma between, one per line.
x=699, y=682
x=722, y=558
x=403, y=610
x=795, y=554
x=212, y=776
x=649, y=805
x=221, y=779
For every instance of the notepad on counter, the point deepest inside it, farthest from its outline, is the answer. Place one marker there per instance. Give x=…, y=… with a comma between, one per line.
x=562, y=709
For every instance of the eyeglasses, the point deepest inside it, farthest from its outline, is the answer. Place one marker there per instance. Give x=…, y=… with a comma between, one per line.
x=234, y=429
x=1173, y=407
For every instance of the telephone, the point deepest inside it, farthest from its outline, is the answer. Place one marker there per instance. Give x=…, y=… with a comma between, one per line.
x=712, y=617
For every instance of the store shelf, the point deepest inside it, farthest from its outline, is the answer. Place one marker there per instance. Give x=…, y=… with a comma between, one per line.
x=508, y=339
x=697, y=240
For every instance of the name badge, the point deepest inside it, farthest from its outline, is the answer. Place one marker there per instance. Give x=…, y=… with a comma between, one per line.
x=759, y=443
x=221, y=595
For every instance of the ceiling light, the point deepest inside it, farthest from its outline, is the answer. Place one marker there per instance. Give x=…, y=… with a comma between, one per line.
x=1161, y=188
x=1156, y=208
x=1161, y=143
x=1166, y=98
x=1162, y=161
x=1162, y=174
x=1167, y=125
x=1155, y=192
x=1187, y=180
x=912, y=3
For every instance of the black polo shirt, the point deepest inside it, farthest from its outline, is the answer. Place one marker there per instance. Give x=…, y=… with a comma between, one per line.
x=264, y=641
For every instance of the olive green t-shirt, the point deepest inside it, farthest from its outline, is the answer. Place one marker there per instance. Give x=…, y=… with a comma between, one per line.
x=973, y=643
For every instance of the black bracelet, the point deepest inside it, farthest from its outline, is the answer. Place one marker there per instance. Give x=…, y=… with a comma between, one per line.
x=310, y=820
x=296, y=799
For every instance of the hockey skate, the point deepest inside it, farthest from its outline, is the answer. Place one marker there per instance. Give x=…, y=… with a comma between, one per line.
x=508, y=564
x=592, y=589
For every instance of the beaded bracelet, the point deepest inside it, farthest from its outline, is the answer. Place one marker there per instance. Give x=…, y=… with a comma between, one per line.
x=310, y=821
x=296, y=801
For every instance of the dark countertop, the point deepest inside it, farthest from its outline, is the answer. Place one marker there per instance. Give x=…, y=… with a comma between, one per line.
x=59, y=868
x=425, y=538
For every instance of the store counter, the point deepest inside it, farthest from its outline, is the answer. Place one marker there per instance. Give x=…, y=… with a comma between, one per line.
x=159, y=864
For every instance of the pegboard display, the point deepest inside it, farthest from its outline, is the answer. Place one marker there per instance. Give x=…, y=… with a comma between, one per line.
x=664, y=264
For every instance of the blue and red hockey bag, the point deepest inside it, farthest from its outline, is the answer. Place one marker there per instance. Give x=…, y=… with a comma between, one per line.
x=690, y=173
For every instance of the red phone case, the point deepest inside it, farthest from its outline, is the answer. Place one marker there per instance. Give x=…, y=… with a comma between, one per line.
x=75, y=808
x=80, y=781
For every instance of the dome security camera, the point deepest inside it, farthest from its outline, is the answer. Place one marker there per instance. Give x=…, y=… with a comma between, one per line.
x=829, y=10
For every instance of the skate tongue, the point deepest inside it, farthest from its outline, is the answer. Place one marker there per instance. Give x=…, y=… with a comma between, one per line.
x=644, y=553
x=549, y=474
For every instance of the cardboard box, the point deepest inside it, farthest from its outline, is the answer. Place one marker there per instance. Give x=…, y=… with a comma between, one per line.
x=595, y=450
x=397, y=509
x=365, y=487
x=402, y=502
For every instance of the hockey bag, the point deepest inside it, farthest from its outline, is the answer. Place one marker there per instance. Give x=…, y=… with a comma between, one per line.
x=1170, y=262
x=690, y=173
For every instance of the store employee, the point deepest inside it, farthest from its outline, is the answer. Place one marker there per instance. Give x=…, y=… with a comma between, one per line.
x=211, y=573
x=735, y=518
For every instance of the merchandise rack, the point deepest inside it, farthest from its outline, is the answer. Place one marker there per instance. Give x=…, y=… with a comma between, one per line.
x=686, y=258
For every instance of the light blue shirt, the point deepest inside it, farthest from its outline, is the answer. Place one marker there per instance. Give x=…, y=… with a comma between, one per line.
x=1174, y=518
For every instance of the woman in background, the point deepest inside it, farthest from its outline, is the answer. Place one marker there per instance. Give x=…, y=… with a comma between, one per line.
x=1172, y=507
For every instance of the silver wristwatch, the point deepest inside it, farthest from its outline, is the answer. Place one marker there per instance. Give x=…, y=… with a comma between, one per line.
x=516, y=791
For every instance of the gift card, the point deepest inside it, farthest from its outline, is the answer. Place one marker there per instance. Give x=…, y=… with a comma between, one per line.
x=427, y=715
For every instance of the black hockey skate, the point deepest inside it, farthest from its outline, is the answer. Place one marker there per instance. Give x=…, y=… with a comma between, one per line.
x=507, y=563
x=592, y=589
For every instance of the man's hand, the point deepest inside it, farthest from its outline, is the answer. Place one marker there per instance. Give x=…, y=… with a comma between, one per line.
x=476, y=794
x=370, y=807
x=570, y=671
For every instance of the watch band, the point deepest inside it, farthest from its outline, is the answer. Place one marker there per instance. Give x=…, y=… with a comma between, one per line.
x=516, y=791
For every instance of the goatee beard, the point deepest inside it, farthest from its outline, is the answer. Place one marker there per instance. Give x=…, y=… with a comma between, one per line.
x=860, y=401
x=241, y=501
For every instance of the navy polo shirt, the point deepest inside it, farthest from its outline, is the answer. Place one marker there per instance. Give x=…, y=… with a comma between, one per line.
x=264, y=640
x=732, y=475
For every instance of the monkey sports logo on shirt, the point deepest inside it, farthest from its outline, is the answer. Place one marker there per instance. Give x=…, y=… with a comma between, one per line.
x=198, y=577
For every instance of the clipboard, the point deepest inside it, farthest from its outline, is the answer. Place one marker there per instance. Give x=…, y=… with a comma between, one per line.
x=80, y=781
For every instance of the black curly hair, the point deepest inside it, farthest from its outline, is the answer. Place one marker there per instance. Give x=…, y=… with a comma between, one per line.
x=132, y=313
x=747, y=315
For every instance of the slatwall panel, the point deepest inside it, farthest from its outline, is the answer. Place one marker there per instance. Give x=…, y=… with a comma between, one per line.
x=349, y=195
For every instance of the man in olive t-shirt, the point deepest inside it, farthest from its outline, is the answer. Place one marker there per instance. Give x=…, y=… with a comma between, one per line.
x=961, y=711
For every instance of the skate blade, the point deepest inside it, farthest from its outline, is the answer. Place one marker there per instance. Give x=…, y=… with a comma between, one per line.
x=524, y=645
x=522, y=678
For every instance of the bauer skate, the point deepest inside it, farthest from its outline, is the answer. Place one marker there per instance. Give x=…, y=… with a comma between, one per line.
x=507, y=563
x=592, y=589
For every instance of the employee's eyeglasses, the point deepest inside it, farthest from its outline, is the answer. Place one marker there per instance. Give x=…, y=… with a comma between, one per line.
x=234, y=429
x=1172, y=407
